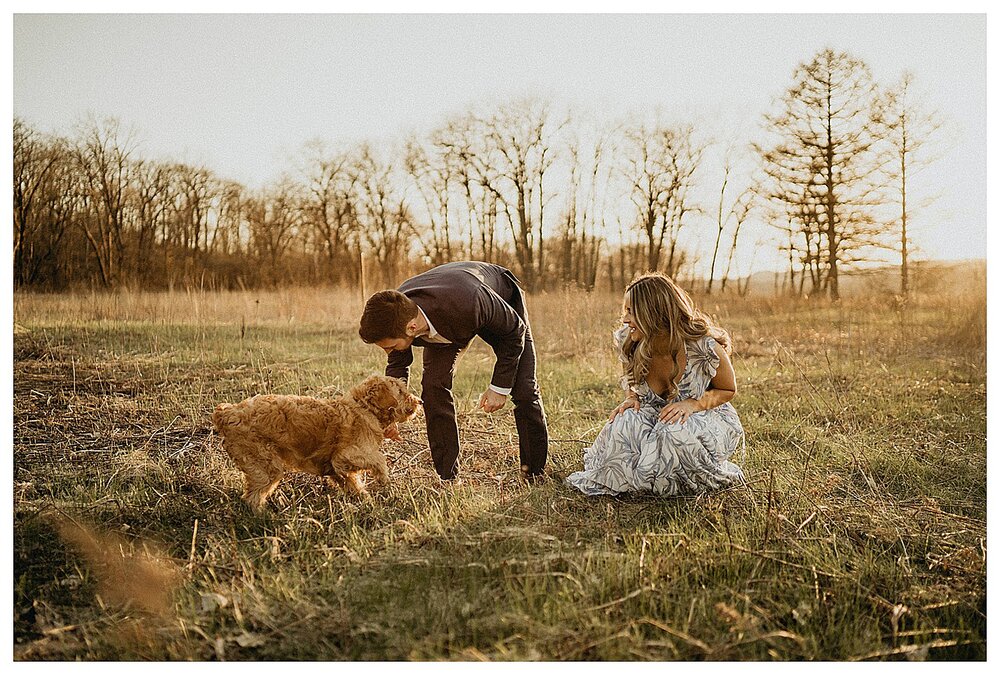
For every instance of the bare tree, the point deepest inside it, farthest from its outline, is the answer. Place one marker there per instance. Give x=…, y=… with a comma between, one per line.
x=273, y=219
x=519, y=150
x=329, y=210
x=570, y=225
x=103, y=154
x=907, y=129
x=383, y=218
x=593, y=232
x=738, y=210
x=152, y=200
x=432, y=169
x=659, y=165
x=738, y=214
x=460, y=140
x=228, y=235
x=42, y=202
x=195, y=193
x=581, y=235
x=806, y=215
x=824, y=157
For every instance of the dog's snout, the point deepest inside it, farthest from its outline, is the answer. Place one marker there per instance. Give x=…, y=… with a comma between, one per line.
x=411, y=406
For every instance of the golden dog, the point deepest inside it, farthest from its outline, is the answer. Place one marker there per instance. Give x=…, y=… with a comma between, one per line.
x=335, y=438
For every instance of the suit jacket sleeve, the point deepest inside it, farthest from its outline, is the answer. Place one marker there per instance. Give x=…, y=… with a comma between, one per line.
x=399, y=364
x=503, y=330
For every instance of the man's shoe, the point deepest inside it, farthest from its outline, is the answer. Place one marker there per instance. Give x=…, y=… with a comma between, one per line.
x=532, y=477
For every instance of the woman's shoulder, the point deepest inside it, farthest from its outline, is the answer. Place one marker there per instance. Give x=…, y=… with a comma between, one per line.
x=704, y=349
x=705, y=343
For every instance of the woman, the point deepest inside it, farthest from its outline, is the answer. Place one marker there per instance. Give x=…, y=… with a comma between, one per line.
x=676, y=430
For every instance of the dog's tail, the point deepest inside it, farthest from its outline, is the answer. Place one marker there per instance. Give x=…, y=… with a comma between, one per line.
x=222, y=418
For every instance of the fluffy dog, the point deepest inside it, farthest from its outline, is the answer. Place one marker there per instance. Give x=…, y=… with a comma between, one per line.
x=335, y=438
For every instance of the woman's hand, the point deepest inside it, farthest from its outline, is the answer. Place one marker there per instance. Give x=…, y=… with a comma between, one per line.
x=679, y=411
x=631, y=402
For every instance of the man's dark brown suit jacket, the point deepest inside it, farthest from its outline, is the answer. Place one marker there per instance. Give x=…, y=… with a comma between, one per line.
x=463, y=300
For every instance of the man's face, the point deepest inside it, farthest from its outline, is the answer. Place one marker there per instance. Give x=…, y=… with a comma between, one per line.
x=399, y=344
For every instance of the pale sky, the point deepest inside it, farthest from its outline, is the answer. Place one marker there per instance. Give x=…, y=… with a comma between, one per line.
x=241, y=94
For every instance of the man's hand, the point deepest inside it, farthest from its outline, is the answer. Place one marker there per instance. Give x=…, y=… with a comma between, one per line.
x=491, y=401
x=392, y=433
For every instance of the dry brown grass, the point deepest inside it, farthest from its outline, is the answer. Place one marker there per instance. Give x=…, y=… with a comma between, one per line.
x=861, y=534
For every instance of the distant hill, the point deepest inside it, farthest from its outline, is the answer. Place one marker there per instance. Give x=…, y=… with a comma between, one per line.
x=926, y=276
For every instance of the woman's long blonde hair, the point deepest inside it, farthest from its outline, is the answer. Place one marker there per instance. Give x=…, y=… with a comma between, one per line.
x=667, y=317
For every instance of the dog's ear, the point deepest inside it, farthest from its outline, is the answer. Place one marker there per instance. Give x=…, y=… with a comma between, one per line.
x=383, y=400
x=383, y=395
x=365, y=392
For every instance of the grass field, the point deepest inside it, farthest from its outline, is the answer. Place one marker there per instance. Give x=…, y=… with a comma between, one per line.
x=861, y=534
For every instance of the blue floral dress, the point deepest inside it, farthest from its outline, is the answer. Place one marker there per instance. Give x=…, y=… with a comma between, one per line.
x=638, y=453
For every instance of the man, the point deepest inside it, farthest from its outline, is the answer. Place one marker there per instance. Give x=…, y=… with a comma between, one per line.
x=442, y=310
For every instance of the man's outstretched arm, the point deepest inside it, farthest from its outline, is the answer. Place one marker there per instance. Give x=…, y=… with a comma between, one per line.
x=399, y=364
x=503, y=330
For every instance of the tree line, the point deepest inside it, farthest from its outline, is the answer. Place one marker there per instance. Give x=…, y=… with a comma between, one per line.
x=561, y=202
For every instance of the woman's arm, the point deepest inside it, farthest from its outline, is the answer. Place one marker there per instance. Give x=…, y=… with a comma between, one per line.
x=721, y=390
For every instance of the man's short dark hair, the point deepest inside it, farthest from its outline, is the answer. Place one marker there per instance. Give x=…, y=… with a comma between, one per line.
x=386, y=315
